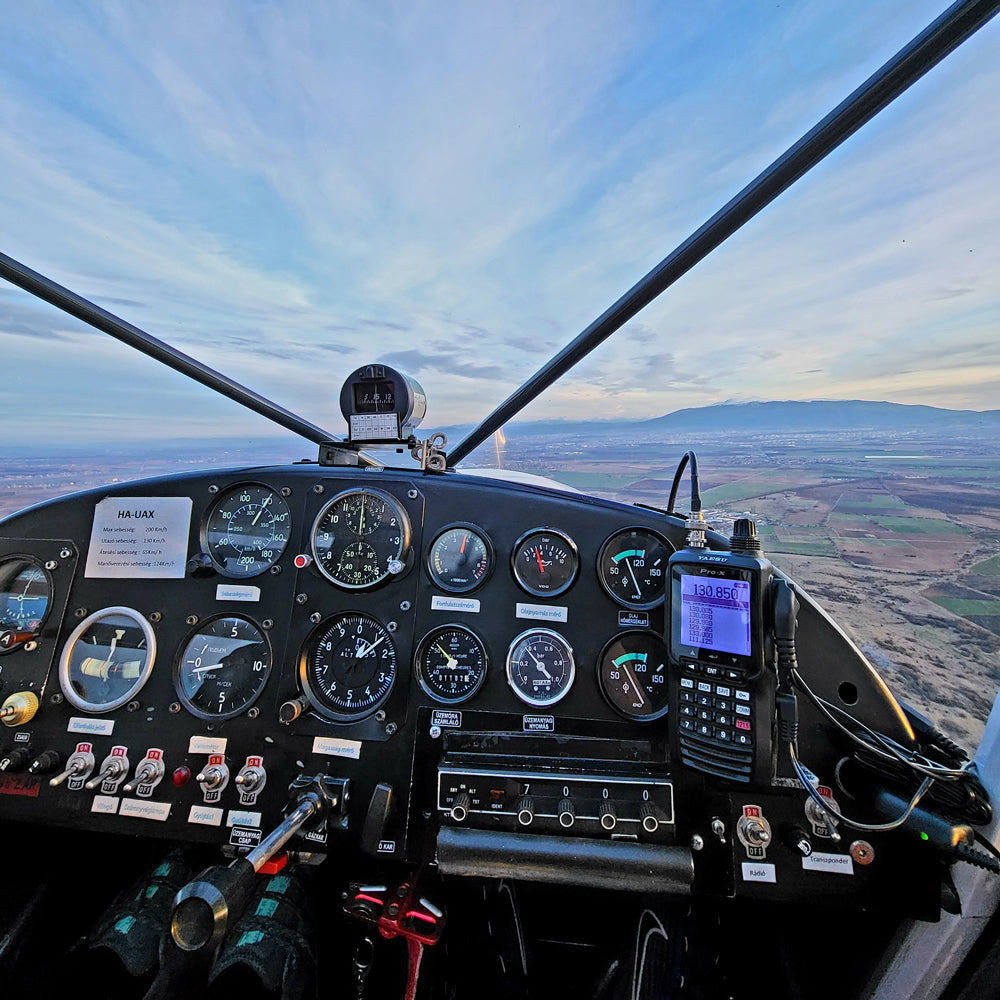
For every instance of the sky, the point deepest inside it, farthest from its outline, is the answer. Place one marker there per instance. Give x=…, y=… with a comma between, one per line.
x=289, y=190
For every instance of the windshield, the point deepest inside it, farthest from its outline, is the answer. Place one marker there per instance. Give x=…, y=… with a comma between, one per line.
x=288, y=194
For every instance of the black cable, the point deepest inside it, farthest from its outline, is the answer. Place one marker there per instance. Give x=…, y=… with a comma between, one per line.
x=689, y=456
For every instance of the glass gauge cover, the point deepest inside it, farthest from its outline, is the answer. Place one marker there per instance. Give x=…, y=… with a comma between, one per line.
x=247, y=530
x=451, y=663
x=460, y=558
x=348, y=666
x=107, y=659
x=632, y=567
x=25, y=594
x=360, y=539
x=223, y=667
x=632, y=673
x=545, y=562
x=540, y=667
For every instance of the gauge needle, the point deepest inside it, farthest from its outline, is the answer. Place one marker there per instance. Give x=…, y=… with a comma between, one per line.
x=452, y=662
x=212, y=666
x=538, y=664
x=364, y=652
x=635, y=685
x=538, y=556
x=361, y=523
x=261, y=511
x=638, y=592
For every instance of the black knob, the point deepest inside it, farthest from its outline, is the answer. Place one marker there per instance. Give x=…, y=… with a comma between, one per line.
x=607, y=816
x=49, y=760
x=567, y=813
x=460, y=807
x=15, y=759
x=744, y=537
x=650, y=821
x=525, y=810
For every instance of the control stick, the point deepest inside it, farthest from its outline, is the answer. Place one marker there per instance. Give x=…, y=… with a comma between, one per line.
x=204, y=908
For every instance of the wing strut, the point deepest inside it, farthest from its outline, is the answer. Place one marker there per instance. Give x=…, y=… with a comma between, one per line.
x=927, y=49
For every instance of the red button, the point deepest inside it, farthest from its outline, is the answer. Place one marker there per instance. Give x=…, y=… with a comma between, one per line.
x=181, y=776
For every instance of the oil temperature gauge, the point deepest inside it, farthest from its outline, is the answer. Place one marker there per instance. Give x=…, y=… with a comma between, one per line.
x=451, y=663
x=632, y=672
x=632, y=567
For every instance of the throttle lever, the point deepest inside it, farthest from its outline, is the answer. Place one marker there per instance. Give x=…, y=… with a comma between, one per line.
x=204, y=908
x=398, y=912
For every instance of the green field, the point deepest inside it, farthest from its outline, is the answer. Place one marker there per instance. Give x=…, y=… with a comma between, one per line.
x=965, y=607
x=920, y=526
x=884, y=502
x=989, y=567
x=819, y=547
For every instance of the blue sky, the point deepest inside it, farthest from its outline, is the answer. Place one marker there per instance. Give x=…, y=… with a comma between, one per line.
x=288, y=190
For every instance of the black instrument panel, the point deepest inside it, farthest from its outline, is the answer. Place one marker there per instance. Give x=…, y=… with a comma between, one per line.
x=388, y=633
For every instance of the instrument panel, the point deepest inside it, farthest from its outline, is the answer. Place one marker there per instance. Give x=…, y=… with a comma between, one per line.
x=174, y=653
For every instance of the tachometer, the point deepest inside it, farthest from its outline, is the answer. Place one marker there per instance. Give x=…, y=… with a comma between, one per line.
x=451, y=663
x=107, y=659
x=25, y=593
x=632, y=672
x=460, y=558
x=545, y=562
x=348, y=666
x=632, y=567
x=540, y=667
x=223, y=667
x=247, y=530
x=360, y=539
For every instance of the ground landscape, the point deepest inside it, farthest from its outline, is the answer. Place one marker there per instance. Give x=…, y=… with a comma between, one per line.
x=896, y=533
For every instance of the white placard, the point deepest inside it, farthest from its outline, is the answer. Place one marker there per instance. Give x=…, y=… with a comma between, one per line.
x=842, y=864
x=232, y=592
x=92, y=727
x=207, y=744
x=756, y=871
x=242, y=817
x=542, y=613
x=205, y=816
x=139, y=538
x=143, y=809
x=467, y=604
x=107, y=804
x=337, y=748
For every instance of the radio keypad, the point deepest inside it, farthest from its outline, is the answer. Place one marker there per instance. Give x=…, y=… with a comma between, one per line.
x=714, y=705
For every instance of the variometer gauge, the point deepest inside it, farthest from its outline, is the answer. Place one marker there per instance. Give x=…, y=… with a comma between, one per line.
x=540, y=667
x=451, y=663
x=223, y=667
x=545, y=562
x=247, y=530
x=632, y=567
x=460, y=558
x=25, y=595
x=360, y=539
x=348, y=667
x=632, y=672
x=107, y=659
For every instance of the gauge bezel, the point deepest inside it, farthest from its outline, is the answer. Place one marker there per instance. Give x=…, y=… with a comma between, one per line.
x=645, y=605
x=402, y=556
x=179, y=659
x=224, y=494
x=67, y=653
x=515, y=567
x=526, y=698
x=490, y=557
x=317, y=699
x=418, y=657
x=620, y=637
x=35, y=564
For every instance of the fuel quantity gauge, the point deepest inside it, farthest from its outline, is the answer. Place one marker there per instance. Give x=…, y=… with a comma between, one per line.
x=451, y=663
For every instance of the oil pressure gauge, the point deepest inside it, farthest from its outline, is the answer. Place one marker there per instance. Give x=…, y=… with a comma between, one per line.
x=545, y=562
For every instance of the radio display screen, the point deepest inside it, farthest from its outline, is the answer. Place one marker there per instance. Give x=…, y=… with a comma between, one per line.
x=715, y=614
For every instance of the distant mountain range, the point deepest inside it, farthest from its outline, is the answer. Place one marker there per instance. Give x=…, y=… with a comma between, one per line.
x=789, y=415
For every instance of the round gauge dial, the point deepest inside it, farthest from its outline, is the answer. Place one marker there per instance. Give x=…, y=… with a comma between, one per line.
x=545, y=562
x=348, y=667
x=540, y=667
x=25, y=593
x=107, y=659
x=632, y=567
x=360, y=539
x=223, y=667
x=451, y=663
x=632, y=672
x=460, y=558
x=247, y=530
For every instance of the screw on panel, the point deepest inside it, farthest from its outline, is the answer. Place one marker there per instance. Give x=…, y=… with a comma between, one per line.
x=412, y=494
x=697, y=843
x=253, y=713
x=30, y=646
x=392, y=626
x=155, y=616
x=285, y=491
x=80, y=613
x=390, y=730
x=434, y=732
x=267, y=623
x=318, y=488
x=133, y=706
x=191, y=620
x=56, y=699
x=51, y=564
x=404, y=605
x=175, y=707
x=275, y=569
x=213, y=489
x=380, y=716
x=301, y=598
x=315, y=618
x=65, y=553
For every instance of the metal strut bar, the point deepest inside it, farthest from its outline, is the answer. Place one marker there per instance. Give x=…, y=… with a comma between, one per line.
x=927, y=49
x=76, y=305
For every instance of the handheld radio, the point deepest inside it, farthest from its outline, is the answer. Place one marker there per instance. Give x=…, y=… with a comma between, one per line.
x=721, y=659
